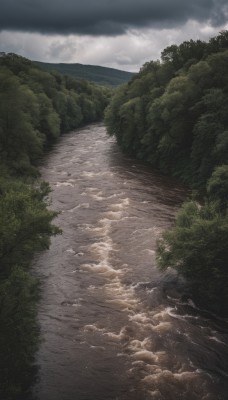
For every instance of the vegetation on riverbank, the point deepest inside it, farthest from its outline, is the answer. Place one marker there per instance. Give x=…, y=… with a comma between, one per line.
x=173, y=114
x=35, y=108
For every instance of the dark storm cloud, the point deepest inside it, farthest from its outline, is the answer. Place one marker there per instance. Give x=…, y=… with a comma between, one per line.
x=106, y=17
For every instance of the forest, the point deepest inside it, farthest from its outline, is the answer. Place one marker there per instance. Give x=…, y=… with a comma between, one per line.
x=35, y=108
x=173, y=115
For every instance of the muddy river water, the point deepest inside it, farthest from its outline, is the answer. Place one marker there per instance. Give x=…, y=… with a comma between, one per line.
x=114, y=327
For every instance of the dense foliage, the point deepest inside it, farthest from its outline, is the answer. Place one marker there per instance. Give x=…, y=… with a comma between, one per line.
x=35, y=108
x=198, y=245
x=173, y=114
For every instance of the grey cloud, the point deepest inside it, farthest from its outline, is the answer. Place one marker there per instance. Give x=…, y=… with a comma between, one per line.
x=106, y=17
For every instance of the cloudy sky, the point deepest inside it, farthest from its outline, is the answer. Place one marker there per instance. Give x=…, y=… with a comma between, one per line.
x=121, y=34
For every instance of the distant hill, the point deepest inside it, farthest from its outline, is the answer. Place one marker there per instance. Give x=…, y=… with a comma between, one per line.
x=93, y=73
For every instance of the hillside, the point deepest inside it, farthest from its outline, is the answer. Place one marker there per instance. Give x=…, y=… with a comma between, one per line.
x=94, y=73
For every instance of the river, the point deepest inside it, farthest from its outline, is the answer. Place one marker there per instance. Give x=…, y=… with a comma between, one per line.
x=113, y=327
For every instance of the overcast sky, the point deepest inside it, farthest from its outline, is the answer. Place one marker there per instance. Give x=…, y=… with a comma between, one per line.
x=121, y=34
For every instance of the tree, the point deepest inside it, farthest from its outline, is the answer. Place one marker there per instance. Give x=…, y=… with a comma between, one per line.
x=49, y=121
x=209, y=143
x=112, y=116
x=197, y=248
x=20, y=142
x=19, y=334
x=217, y=188
x=25, y=223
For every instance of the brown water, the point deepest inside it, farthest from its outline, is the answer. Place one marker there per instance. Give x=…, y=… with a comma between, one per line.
x=114, y=327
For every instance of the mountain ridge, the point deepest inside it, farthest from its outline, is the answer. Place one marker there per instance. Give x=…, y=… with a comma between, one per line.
x=94, y=73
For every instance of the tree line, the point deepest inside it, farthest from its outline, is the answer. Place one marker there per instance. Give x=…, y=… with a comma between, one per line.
x=173, y=114
x=35, y=108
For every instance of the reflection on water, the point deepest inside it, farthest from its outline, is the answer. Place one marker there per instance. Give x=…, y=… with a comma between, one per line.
x=114, y=327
